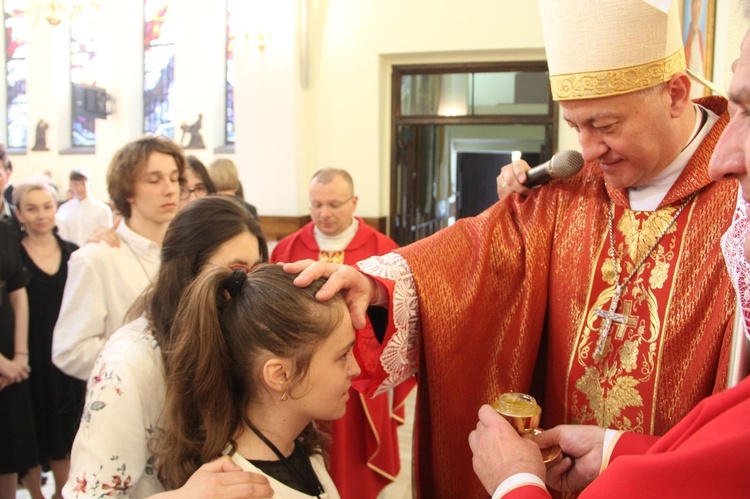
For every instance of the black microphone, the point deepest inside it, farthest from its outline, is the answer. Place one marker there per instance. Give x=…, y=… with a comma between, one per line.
x=562, y=165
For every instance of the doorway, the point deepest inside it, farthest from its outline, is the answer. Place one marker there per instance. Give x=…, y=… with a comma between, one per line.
x=477, y=173
x=453, y=128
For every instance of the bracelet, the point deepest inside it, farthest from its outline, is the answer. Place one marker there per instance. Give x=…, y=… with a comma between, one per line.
x=20, y=353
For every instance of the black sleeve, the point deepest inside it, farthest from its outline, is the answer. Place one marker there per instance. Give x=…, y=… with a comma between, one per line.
x=11, y=267
x=379, y=319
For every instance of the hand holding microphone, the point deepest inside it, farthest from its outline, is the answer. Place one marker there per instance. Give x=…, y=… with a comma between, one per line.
x=520, y=177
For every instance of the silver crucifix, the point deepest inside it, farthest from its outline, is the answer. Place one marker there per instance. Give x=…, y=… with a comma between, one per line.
x=609, y=317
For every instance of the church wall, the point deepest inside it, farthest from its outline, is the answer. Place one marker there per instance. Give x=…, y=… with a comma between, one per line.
x=286, y=130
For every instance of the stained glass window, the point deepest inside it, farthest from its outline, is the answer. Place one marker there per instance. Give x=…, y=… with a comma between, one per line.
x=232, y=30
x=17, y=69
x=159, y=114
x=82, y=72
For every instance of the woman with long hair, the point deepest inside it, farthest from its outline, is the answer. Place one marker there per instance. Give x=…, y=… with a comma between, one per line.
x=254, y=362
x=125, y=392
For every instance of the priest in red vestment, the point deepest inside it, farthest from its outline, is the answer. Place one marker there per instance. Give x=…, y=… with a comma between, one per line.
x=364, y=452
x=604, y=295
x=706, y=453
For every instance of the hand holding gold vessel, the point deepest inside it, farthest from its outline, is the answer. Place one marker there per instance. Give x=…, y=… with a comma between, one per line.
x=524, y=414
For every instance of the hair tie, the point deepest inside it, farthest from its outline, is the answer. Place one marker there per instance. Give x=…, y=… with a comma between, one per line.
x=234, y=282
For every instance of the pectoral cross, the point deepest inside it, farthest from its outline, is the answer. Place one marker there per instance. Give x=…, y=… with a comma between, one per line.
x=609, y=317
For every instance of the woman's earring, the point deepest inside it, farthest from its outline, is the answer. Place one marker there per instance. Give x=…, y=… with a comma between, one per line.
x=285, y=397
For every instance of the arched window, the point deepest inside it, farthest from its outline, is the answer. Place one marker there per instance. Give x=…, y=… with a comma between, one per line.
x=82, y=72
x=232, y=31
x=16, y=72
x=159, y=114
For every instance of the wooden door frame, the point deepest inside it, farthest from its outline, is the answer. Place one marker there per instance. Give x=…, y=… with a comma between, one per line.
x=397, y=119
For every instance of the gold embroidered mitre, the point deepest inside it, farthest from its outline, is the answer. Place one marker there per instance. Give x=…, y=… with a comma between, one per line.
x=601, y=48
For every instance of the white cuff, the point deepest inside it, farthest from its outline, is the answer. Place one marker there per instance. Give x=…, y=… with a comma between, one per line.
x=515, y=481
x=609, y=436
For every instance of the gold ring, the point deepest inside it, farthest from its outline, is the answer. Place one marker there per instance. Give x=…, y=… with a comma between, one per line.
x=503, y=185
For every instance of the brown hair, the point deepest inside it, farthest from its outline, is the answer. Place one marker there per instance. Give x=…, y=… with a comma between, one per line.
x=224, y=175
x=197, y=166
x=192, y=236
x=215, y=367
x=78, y=174
x=128, y=162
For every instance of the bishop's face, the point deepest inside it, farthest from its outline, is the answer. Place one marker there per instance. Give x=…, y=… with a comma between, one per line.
x=633, y=136
x=731, y=158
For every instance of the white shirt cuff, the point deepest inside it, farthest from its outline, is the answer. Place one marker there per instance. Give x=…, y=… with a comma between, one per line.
x=515, y=481
x=609, y=436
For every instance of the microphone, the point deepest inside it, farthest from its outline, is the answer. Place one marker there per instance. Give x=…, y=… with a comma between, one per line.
x=562, y=165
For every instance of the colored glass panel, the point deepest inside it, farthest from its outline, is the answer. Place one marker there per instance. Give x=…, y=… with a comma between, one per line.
x=16, y=71
x=158, y=83
x=82, y=71
x=232, y=30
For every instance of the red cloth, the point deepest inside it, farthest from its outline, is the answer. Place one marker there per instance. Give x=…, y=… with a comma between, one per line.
x=704, y=455
x=364, y=451
x=515, y=289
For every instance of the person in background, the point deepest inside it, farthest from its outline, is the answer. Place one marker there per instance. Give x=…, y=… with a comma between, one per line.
x=705, y=454
x=17, y=434
x=6, y=209
x=77, y=218
x=198, y=183
x=7, y=167
x=125, y=395
x=364, y=451
x=56, y=398
x=266, y=360
x=226, y=179
x=144, y=182
x=603, y=295
x=47, y=177
x=240, y=192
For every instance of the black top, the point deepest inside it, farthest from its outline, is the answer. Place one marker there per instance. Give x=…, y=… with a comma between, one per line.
x=57, y=398
x=295, y=471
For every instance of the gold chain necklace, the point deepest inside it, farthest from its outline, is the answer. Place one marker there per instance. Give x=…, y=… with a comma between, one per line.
x=611, y=315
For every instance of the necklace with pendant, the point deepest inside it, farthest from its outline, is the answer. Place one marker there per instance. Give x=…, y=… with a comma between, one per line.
x=611, y=316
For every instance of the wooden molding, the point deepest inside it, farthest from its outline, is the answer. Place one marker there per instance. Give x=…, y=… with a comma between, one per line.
x=277, y=228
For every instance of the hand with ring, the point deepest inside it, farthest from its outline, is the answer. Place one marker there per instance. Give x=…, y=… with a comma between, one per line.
x=511, y=179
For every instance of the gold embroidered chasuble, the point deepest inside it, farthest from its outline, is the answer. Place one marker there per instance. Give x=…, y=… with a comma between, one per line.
x=531, y=272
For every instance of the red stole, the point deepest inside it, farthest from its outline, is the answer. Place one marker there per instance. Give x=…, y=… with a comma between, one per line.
x=619, y=389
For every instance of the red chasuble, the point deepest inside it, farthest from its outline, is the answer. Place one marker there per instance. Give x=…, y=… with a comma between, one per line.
x=522, y=286
x=364, y=450
x=705, y=455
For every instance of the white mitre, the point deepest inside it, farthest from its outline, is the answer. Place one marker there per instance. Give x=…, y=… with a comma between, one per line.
x=601, y=48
